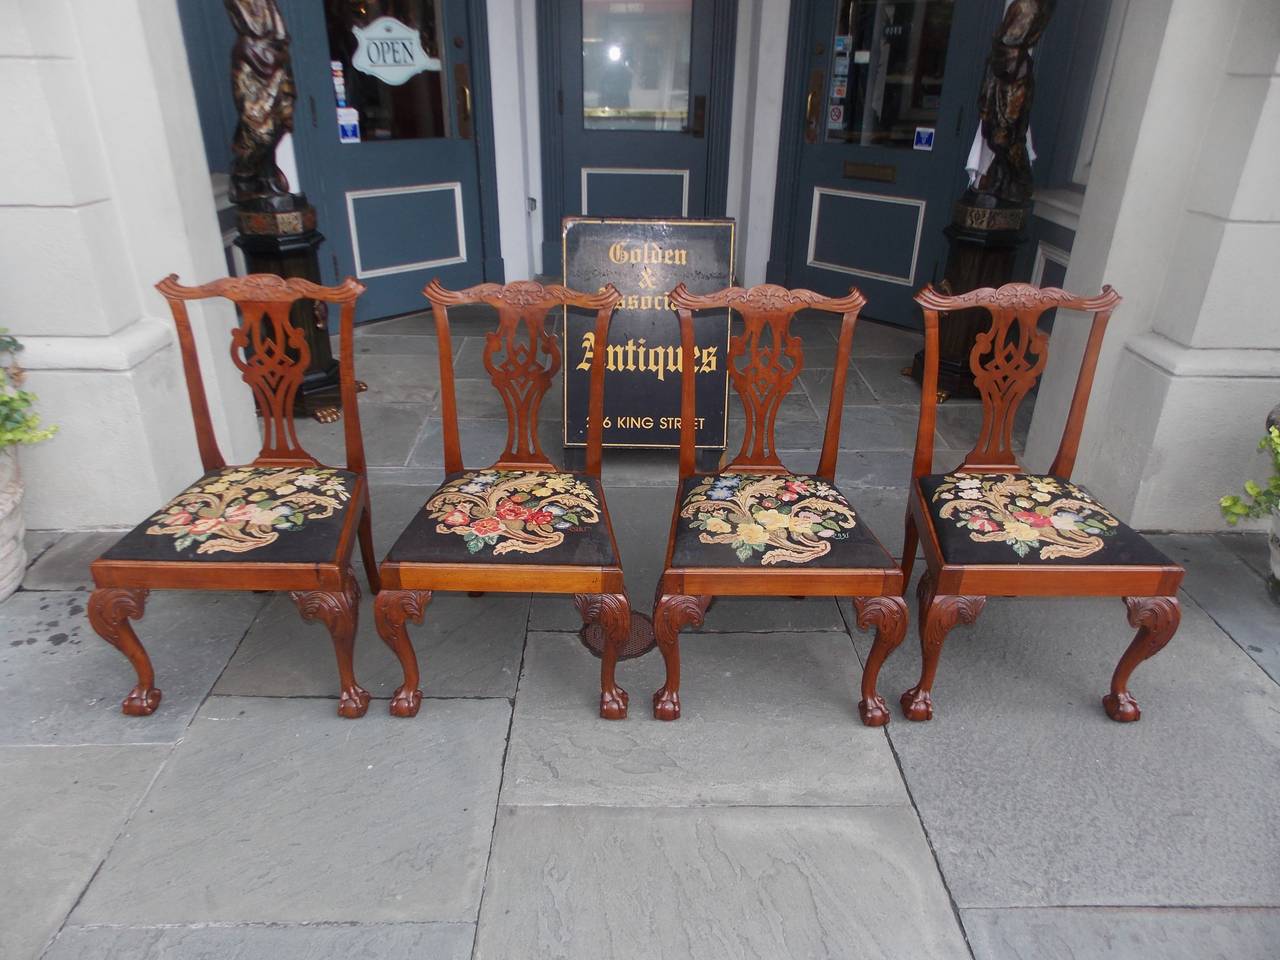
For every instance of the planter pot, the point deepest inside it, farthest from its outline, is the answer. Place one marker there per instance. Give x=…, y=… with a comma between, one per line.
x=13, y=553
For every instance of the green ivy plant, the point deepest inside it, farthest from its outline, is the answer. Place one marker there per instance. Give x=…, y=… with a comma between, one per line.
x=19, y=423
x=1262, y=500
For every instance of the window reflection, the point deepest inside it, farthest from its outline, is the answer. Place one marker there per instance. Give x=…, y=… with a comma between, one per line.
x=635, y=64
x=887, y=63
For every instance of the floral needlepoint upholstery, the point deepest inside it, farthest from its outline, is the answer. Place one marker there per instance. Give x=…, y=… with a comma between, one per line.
x=510, y=516
x=746, y=519
x=1028, y=518
x=276, y=514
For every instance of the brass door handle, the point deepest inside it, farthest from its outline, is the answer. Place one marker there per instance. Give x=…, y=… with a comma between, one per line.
x=462, y=84
x=817, y=87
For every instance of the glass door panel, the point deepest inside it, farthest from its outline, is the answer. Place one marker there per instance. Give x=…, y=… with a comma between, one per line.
x=635, y=64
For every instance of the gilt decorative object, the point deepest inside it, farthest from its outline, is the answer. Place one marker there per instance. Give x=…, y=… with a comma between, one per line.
x=986, y=227
x=277, y=227
x=262, y=87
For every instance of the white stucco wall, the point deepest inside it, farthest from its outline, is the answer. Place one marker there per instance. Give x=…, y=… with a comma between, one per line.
x=104, y=189
x=1181, y=215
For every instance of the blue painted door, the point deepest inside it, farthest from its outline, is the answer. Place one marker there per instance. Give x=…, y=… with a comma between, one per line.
x=886, y=103
x=386, y=125
x=635, y=83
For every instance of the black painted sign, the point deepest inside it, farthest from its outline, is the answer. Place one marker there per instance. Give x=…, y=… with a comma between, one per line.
x=646, y=260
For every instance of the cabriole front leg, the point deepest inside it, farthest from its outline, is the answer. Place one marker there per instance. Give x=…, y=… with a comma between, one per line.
x=391, y=608
x=110, y=610
x=672, y=614
x=1156, y=619
x=937, y=615
x=613, y=612
x=338, y=610
x=889, y=616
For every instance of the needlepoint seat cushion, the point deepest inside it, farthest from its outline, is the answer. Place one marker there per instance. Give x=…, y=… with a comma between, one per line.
x=1026, y=518
x=247, y=514
x=510, y=516
x=771, y=520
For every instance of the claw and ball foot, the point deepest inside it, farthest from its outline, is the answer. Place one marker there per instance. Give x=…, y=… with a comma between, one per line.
x=337, y=610
x=391, y=608
x=1156, y=619
x=889, y=616
x=613, y=612
x=671, y=614
x=938, y=614
x=110, y=610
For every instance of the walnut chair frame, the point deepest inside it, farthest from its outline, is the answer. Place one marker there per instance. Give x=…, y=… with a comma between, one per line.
x=1007, y=361
x=272, y=356
x=763, y=363
x=522, y=358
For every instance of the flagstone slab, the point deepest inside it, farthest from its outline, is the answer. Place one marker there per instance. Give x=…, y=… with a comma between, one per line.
x=1107, y=933
x=65, y=564
x=1252, y=548
x=270, y=813
x=63, y=807
x=389, y=430
x=466, y=646
x=383, y=941
x=709, y=883
x=63, y=683
x=767, y=719
x=1231, y=591
x=1033, y=797
x=36, y=542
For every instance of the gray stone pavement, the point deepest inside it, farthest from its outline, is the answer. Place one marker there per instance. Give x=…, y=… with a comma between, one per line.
x=246, y=820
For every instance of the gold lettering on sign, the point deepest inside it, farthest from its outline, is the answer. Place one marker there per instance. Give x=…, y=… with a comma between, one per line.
x=636, y=356
x=648, y=252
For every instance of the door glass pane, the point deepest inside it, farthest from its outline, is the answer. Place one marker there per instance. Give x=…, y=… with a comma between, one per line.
x=387, y=69
x=635, y=64
x=887, y=62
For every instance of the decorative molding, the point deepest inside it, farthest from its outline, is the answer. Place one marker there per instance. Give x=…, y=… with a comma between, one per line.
x=787, y=183
x=1100, y=90
x=810, y=259
x=724, y=39
x=1059, y=206
x=638, y=171
x=1047, y=253
x=460, y=227
x=119, y=351
x=1180, y=360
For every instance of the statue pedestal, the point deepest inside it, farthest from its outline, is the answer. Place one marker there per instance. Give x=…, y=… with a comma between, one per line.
x=279, y=237
x=984, y=244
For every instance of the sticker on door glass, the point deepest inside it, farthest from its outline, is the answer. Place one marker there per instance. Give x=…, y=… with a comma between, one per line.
x=348, y=125
x=924, y=139
x=391, y=51
x=837, y=114
x=838, y=91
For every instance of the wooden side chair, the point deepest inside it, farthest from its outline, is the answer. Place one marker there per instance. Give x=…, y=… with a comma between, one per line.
x=757, y=528
x=991, y=528
x=283, y=522
x=522, y=525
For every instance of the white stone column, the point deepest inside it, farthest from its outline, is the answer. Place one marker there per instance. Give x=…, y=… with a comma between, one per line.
x=1182, y=217
x=104, y=189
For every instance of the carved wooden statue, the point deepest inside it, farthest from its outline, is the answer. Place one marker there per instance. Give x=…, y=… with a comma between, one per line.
x=1005, y=101
x=262, y=86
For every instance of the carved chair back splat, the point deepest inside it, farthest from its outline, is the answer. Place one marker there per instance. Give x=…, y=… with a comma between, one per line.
x=522, y=358
x=522, y=524
x=991, y=527
x=284, y=521
x=272, y=356
x=1007, y=361
x=763, y=363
